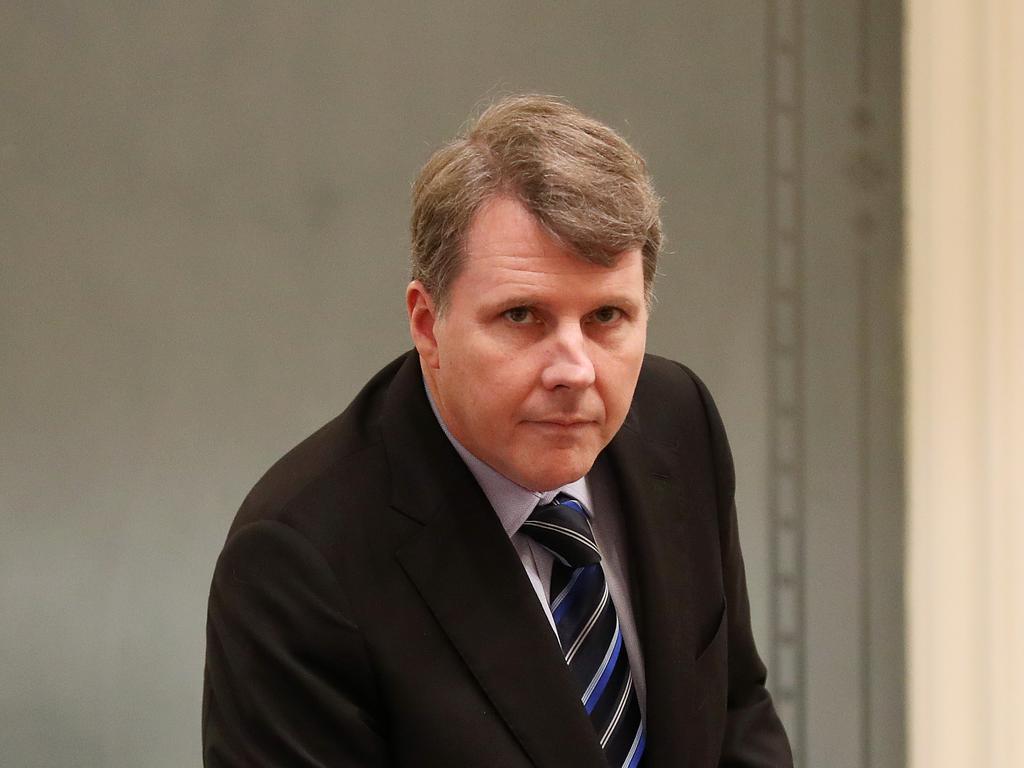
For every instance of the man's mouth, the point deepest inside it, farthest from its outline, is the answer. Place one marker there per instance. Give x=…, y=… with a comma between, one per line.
x=563, y=422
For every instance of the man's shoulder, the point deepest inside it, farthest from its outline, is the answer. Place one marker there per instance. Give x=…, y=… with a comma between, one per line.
x=667, y=377
x=666, y=387
x=673, y=406
x=343, y=458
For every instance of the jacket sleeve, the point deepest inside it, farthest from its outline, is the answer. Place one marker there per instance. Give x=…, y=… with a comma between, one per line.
x=288, y=680
x=754, y=736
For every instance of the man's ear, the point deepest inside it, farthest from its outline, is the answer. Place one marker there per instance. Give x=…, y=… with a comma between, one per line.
x=422, y=319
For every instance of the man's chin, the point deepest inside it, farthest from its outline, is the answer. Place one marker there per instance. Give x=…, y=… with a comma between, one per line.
x=551, y=470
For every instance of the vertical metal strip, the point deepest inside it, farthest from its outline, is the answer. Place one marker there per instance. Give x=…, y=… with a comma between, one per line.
x=786, y=345
x=864, y=172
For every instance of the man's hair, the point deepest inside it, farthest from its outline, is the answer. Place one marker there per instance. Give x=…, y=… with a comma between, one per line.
x=582, y=182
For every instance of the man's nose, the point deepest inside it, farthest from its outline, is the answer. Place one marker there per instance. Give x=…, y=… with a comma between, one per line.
x=570, y=364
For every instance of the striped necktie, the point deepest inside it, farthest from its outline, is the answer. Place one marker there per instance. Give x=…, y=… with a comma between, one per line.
x=588, y=628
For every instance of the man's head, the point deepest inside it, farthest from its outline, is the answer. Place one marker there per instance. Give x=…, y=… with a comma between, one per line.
x=535, y=239
x=581, y=180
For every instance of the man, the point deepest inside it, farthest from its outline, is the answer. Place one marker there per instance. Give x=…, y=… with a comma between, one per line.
x=518, y=545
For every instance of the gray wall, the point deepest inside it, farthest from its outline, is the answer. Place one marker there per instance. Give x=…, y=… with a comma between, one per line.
x=203, y=250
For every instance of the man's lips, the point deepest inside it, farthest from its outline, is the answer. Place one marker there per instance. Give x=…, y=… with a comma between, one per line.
x=563, y=422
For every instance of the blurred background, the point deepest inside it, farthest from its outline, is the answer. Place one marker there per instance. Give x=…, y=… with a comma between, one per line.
x=203, y=234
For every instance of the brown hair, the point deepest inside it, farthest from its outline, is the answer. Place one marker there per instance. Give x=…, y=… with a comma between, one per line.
x=578, y=177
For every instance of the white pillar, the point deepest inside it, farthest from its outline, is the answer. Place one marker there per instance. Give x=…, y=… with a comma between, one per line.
x=964, y=101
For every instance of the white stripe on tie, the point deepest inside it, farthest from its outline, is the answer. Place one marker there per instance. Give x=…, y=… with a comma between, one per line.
x=619, y=711
x=604, y=663
x=565, y=591
x=633, y=746
x=588, y=626
x=564, y=531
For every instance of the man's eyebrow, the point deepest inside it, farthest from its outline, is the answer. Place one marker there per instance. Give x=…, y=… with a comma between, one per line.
x=620, y=301
x=525, y=300
x=516, y=301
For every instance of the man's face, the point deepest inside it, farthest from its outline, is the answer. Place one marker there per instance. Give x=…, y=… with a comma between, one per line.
x=534, y=362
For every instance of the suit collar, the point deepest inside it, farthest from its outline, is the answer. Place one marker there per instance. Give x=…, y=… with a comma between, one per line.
x=655, y=503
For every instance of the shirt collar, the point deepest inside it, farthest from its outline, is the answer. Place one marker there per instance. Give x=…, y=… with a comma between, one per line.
x=511, y=501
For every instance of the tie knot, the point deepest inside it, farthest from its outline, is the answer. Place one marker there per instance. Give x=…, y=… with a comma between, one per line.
x=562, y=527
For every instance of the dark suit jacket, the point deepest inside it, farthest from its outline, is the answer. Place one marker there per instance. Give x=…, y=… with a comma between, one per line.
x=368, y=608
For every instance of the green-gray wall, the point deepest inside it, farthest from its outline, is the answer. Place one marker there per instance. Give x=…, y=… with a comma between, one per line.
x=203, y=249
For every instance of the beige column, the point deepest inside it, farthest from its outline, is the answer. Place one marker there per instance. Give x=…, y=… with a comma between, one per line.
x=964, y=99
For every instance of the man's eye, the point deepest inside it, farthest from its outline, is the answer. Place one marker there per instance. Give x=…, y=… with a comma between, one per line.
x=607, y=315
x=518, y=315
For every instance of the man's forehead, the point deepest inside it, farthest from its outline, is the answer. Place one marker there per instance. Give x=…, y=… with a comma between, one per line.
x=503, y=224
x=525, y=264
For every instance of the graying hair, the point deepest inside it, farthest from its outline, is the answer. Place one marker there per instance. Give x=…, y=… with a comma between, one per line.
x=581, y=180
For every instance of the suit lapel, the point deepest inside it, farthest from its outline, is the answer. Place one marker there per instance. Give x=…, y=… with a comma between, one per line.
x=467, y=571
x=655, y=503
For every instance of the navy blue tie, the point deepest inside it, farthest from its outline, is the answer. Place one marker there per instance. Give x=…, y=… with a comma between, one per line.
x=588, y=628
